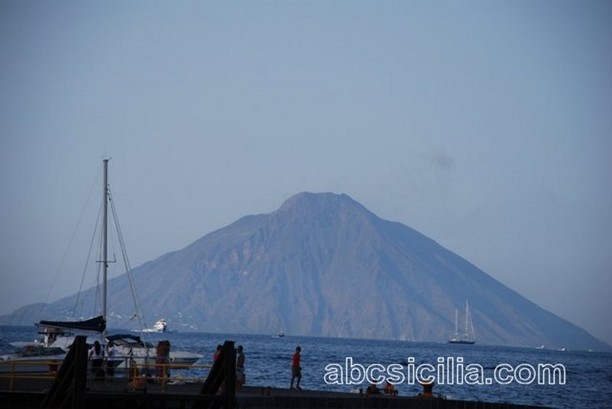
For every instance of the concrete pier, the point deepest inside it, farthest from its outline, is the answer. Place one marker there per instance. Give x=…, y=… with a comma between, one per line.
x=264, y=398
x=115, y=395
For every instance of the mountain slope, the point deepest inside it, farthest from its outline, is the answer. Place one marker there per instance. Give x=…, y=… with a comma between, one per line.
x=324, y=265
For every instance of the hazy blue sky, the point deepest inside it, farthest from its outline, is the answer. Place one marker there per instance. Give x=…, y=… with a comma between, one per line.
x=485, y=125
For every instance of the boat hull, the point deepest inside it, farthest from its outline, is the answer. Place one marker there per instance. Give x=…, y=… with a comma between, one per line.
x=459, y=341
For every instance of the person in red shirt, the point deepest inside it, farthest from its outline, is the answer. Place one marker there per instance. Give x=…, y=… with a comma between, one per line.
x=296, y=369
x=217, y=352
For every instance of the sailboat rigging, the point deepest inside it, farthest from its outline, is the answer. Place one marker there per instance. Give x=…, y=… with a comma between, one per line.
x=101, y=320
x=60, y=334
x=468, y=334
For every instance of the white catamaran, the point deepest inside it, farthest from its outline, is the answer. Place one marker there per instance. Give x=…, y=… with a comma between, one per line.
x=57, y=336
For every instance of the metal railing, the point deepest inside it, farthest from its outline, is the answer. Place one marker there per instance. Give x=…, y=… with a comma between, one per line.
x=44, y=371
x=140, y=375
x=27, y=370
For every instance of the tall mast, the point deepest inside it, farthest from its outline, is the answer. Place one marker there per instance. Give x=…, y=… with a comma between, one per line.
x=467, y=317
x=104, y=237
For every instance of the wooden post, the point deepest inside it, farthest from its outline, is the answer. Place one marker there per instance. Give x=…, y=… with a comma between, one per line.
x=222, y=376
x=68, y=389
x=80, y=373
x=230, y=374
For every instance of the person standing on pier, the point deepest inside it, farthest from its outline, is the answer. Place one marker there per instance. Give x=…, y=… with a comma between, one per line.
x=240, y=376
x=162, y=360
x=296, y=369
x=110, y=353
x=96, y=354
x=217, y=352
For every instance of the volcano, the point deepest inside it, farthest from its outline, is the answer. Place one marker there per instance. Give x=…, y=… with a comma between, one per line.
x=324, y=265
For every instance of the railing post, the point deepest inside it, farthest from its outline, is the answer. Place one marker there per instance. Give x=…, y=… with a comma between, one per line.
x=165, y=371
x=12, y=377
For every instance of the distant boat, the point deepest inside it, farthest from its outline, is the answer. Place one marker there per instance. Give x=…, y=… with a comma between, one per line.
x=468, y=335
x=160, y=326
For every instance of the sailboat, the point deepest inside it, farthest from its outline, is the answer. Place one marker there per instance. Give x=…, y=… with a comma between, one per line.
x=468, y=335
x=57, y=336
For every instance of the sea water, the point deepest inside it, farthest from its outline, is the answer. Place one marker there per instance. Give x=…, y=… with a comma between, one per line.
x=479, y=372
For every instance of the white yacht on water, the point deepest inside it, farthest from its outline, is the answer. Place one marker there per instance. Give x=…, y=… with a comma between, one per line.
x=160, y=326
